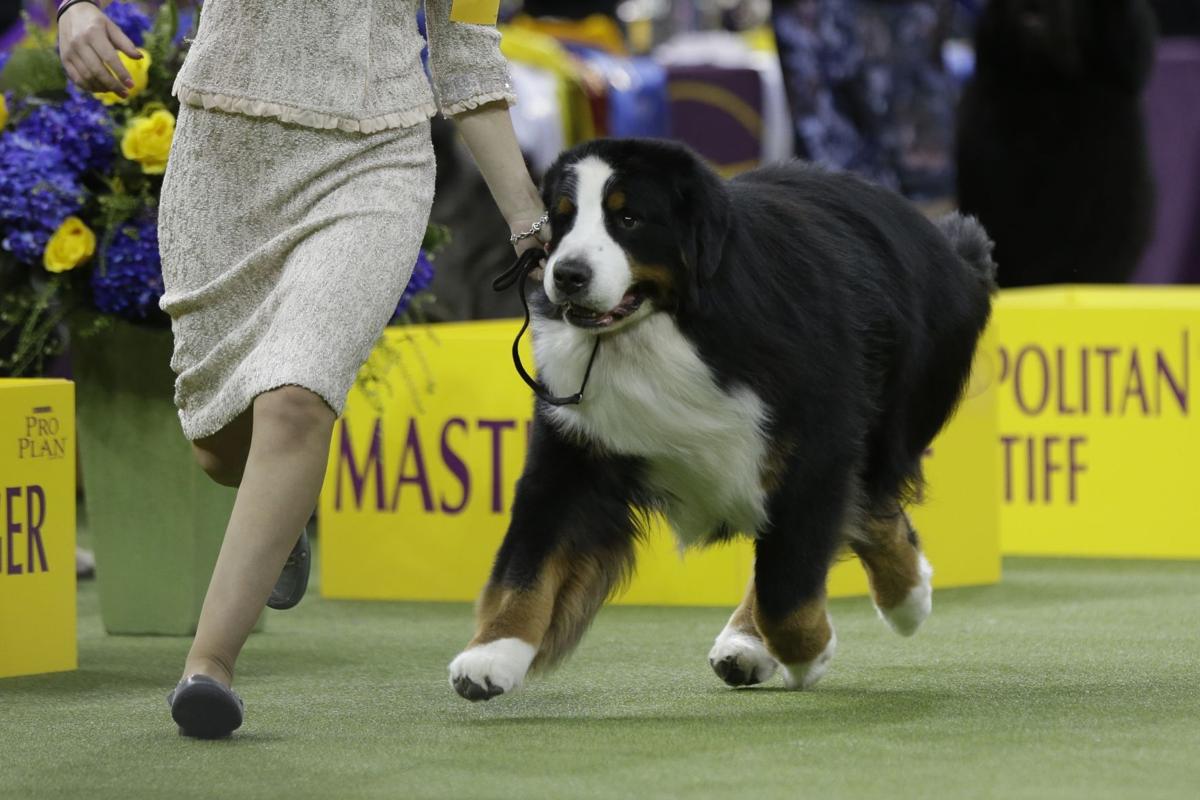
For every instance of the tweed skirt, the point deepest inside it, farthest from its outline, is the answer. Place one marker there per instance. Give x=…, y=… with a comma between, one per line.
x=285, y=250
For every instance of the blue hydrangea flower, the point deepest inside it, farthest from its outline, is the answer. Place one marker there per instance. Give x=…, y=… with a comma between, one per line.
x=130, y=19
x=80, y=128
x=422, y=278
x=129, y=283
x=38, y=190
x=187, y=18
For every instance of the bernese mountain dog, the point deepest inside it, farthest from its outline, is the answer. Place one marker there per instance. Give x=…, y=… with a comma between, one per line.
x=768, y=356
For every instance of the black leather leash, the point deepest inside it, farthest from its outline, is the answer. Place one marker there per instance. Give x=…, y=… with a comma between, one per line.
x=518, y=273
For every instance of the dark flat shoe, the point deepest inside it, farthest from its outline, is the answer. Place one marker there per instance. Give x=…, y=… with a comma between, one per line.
x=205, y=708
x=293, y=580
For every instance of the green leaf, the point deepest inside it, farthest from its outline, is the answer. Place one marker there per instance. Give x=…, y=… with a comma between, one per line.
x=32, y=71
x=436, y=237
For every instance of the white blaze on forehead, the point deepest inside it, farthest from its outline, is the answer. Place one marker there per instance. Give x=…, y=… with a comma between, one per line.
x=588, y=241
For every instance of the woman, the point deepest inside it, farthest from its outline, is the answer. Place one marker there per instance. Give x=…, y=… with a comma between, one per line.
x=294, y=203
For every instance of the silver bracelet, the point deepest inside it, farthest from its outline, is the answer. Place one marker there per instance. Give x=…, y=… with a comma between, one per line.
x=533, y=230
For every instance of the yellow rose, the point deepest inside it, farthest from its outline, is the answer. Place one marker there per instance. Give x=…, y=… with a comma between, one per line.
x=147, y=141
x=71, y=245
x=139, y=70
x=3, y=111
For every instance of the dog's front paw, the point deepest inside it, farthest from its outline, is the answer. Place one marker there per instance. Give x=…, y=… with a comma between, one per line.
x=486, y=670
x=799, y=677
x=741, y=659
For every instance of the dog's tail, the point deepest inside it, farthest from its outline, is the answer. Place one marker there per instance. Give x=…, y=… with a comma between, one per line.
x=972, y=244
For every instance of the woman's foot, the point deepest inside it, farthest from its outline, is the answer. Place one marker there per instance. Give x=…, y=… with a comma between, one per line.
x=205, y=708
x=293, y=580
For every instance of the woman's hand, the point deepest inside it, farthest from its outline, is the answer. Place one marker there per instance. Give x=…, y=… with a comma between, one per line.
x=87, y=43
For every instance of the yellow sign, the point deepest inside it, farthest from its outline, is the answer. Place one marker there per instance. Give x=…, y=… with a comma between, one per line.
x=37, y=540
x=416, y=503
x=476, y=12
x=1099, y=445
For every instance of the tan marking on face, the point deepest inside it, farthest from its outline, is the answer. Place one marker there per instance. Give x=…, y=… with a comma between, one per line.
x=615, y=201
x=890, y=557
x=565, y=205
x=657, y=275
x=800, y=636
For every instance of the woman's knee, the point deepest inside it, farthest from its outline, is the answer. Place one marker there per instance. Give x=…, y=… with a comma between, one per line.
x=293, y=413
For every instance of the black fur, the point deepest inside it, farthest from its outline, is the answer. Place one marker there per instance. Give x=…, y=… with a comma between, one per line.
x=852, y=317
x=1051, y=147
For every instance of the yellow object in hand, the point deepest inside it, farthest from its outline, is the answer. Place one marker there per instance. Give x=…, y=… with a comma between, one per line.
x=476, y=12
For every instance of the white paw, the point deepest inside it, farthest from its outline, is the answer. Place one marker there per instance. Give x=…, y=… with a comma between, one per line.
x=741, y=659
x=905, y=618
x=805, y=675
x=487, y=670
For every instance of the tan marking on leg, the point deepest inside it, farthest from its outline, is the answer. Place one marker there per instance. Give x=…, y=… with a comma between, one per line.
x=742, y=620
x=523, y=612
x=553, y=613
x=799, y=637
x=890, y=559
x=588, y=581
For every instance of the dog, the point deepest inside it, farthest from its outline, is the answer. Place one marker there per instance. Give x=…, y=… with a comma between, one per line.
x=768, y=356
x=1052, y=152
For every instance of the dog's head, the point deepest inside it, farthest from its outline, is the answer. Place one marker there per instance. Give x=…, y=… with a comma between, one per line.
x=638, y=227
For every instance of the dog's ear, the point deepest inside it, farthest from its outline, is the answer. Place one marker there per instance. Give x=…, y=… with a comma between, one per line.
x=705, y=205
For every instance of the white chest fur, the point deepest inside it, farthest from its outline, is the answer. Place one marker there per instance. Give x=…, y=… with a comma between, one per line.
x=651, y=396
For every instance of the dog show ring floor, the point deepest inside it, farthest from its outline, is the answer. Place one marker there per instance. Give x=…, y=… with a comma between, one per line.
x=1072, y=678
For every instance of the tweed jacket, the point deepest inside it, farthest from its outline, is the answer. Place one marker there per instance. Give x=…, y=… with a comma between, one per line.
x=354, y=65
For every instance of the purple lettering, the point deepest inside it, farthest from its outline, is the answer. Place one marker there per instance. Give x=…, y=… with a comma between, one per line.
x=1106, y=353
x=1008, y=442
x=358, y=479
x=1060, y=367
x=1134, y=385
x=1050, y=466
x=412, y=444
x=456, y=466
x=33, y=530
x=1178, y=388
x=1074, y=466
x=10, y=493
x=497, y=427
x=1018, y=383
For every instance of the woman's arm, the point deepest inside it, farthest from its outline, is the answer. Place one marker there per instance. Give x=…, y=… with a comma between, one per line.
x=488, y=133
x=87, y=43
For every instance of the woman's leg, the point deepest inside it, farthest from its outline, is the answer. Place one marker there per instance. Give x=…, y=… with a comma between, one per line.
x=283, y=475
x=223, y=455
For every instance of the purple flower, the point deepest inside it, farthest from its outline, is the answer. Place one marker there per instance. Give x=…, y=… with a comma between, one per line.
x=187, y=18
x=128, y=282
x=130, y=19
x=38, y=190
x=79, y=127
x=422, y=278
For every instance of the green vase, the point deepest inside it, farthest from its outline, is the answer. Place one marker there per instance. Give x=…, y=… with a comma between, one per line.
x=156, y=519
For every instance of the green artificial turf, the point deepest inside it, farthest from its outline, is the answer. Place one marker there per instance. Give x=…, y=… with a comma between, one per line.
x=1071, y=679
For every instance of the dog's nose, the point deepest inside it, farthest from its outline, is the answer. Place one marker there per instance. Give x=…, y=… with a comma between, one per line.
x=571, y=277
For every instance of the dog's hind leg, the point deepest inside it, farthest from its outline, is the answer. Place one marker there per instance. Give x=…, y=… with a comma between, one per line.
x=898, y=571
x=792, y=558
x=739, y=656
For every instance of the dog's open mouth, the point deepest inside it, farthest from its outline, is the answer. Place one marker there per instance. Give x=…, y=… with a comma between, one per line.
x=582, y=317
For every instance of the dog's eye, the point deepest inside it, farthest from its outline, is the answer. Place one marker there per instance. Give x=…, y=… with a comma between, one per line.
x=628, y=221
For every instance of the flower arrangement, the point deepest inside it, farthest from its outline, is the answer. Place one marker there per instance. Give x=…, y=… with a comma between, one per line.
x=80, y=176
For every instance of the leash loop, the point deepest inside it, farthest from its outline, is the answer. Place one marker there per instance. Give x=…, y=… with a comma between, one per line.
x=518, y=273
